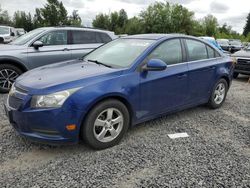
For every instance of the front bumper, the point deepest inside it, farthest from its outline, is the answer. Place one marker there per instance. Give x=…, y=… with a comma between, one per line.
x=46, y=125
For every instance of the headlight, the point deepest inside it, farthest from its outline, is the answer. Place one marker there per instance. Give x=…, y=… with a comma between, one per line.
x=54, y=100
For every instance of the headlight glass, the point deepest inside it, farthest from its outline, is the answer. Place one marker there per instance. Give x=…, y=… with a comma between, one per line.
x=54, y=100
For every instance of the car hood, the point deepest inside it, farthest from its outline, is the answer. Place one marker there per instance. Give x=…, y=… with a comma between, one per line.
x=4, y=35
x=10, y=47
x=74, y=73
x=242, y=53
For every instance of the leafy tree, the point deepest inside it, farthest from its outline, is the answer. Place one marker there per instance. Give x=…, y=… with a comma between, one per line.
x=101, y=21
x=52, y=14
x=210, y=25
x=4, y=17
x=134, y=26
x=247, y=26
x=75, y=19
x=22, y=20
x=166, y=18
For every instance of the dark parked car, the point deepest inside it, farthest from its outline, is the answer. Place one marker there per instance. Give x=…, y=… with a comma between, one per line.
x=224, y=44
x=45, y=46
x=125, y=82
x=242, y=62
x=235, y=45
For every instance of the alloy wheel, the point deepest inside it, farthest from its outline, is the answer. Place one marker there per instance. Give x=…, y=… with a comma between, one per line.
x=219, y=93
x=7, y=78
x=108, y=125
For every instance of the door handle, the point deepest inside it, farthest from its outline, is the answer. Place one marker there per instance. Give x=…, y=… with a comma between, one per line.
x=65, y=49
x=212, y=67
x=180, y=76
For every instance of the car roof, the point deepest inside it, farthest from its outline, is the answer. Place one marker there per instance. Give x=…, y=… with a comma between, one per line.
x=158, y=36
x=77, y=28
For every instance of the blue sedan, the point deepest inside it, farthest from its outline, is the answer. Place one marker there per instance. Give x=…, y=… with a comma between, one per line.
x=123, y=83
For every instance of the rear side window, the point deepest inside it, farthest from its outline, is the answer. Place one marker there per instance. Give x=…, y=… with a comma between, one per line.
x=170, y=52
x=196, y=50
x=105, y=38
x=83, y=37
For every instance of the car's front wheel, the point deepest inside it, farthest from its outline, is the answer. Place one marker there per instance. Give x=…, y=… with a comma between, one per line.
x=106, y=124
x=235, y=75
x=8, y=75
x=219, y=94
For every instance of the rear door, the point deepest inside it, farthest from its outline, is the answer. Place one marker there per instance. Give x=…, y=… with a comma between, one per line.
x=83, y=42
x=55, y=49
x=202, y=62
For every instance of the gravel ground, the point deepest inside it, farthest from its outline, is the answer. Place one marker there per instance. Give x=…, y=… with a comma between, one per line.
x=217, y=153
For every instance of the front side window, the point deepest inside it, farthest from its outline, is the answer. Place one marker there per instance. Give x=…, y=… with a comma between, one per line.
x=170, y=52
x=54, y=38
x=119, y=53
x=196, y=50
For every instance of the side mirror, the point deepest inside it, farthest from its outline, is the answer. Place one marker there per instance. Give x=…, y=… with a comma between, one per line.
x=37, y=44
x=154, y=65
x=12, y=34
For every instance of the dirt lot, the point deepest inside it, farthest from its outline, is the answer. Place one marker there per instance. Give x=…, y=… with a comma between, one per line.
x=216, y=154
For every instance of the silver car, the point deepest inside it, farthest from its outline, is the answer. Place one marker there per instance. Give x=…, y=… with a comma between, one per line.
x=45, y=46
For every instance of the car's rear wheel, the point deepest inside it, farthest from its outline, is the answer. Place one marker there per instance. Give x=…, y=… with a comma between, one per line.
x=219, y=94
x=235, y=75
x=8, y=75
x=105, y=124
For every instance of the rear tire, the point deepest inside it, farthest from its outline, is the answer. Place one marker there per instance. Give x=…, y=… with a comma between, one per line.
x=235, y=75
x=8, y=75
x=106, y=124
x=219, y=94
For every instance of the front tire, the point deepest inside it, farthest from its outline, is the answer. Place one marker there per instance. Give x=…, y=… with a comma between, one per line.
x=235, y=75
x=105, y=124
x=8, y=75
x=219, y=94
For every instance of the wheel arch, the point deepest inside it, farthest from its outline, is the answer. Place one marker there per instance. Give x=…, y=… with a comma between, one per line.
x=118, y=97
x=227, y=79
x=14, y=63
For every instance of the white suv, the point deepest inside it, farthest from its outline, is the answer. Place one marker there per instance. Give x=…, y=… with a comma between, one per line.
x=7, y=34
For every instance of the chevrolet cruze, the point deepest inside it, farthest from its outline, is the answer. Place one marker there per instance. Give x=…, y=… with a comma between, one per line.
x=123, y=83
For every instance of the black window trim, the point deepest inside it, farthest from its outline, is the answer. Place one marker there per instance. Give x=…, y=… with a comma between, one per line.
x=206, y=44
x=70, y=36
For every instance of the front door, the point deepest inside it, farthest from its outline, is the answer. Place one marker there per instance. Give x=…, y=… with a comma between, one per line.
x=162, y=91
x=55, y=49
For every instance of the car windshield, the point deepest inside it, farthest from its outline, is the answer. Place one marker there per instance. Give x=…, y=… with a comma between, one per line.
x=27, y=37
x=235, y=42
x=223, y=42
x=4, y=30
x=119, y=53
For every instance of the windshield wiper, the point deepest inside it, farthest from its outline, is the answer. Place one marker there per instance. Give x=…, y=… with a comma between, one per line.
x=99, y=63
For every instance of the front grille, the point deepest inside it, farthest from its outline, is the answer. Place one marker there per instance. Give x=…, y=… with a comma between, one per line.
x=16, y=97
x=243, y=64
x=14, y=102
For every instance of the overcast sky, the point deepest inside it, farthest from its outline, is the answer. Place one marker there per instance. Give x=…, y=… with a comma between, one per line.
x=232, y=12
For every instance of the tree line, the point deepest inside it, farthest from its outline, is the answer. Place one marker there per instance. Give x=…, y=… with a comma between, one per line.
x=159, y=17
x=163, y=17
x=52, y=14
